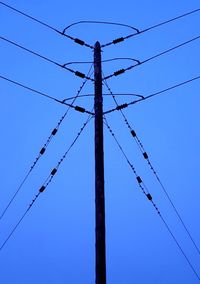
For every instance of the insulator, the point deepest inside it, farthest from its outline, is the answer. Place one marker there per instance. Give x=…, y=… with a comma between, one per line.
x=79, y=41
x=54, y=131
x=121, y=106
x=148, y=195
x=42, y=188
x=145, y=155
x=117, y=40
x=53, y=171
x=79, y=74
x=119, y=72
x=133, y=133
x=42, y=151
x=139, y=179
x=78, y=108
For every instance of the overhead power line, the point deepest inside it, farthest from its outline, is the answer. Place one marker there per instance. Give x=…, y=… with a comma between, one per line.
x=125, y=105
x=122, y=71
x=42, y=150
x=77, y=73
x=118, y=24
x=77, y=108
x=138, y=32
x=150, y=198
x=76, y=40
x=101, y=22
x=147, y=159
x=46, y=183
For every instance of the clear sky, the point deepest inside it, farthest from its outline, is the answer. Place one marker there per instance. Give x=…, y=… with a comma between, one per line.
x=55, y=241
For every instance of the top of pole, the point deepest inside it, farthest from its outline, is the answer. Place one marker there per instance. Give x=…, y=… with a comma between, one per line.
x=97, y=45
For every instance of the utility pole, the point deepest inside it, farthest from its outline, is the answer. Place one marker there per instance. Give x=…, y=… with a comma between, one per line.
x=100, y=245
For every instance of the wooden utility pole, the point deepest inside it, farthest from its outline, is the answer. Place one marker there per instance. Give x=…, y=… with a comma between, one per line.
x=99, y=171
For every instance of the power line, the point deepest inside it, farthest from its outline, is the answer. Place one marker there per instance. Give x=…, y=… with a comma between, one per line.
x=103, y=61
x=170, y=20
x=118, y=40
x=47, y=182
x=121, y=71
x=106, y=95
x=77, y=108
x=149, y=197
x=141, y=184
x=77, y=73
x=76, y=40
x=152, y=95
x=146, y=157
x=43, y=150
x=111, y=23
x=101, y=22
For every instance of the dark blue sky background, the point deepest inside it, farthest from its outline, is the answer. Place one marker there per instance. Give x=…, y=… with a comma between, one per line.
x=55, y=242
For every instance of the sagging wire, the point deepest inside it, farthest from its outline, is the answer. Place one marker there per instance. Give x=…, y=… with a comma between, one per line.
x=103, y=61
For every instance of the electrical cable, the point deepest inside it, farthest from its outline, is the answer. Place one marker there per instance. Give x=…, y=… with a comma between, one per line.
x=146, y=157
x=152, y=95
x=46, y=183
x=76, y=40
x=119, y=24
x=101, y=22
x=149, y=197
x=118, y=40
x=106, y=95
x=77, y=73
x=43, y=94
x=107, y=60
x=141, y=184
x=43, y=149
x=121, y=71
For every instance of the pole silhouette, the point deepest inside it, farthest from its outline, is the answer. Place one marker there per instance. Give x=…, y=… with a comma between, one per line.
x=100, y=246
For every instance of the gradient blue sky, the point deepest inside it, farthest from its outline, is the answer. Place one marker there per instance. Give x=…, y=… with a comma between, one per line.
x=55, y=242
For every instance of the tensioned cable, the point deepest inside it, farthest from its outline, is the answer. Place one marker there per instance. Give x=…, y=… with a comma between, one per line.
x=118, y=40
x=43, y=150
x=114, y=41
x=121, y=71
x=76, y=40
x=77, y=73
x=47, y=182
x=149, y=197
x=77, y=108
x=146, y=157
x=143, y=98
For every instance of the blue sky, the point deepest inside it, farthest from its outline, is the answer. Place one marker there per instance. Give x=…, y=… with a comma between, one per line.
x=55, y=242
